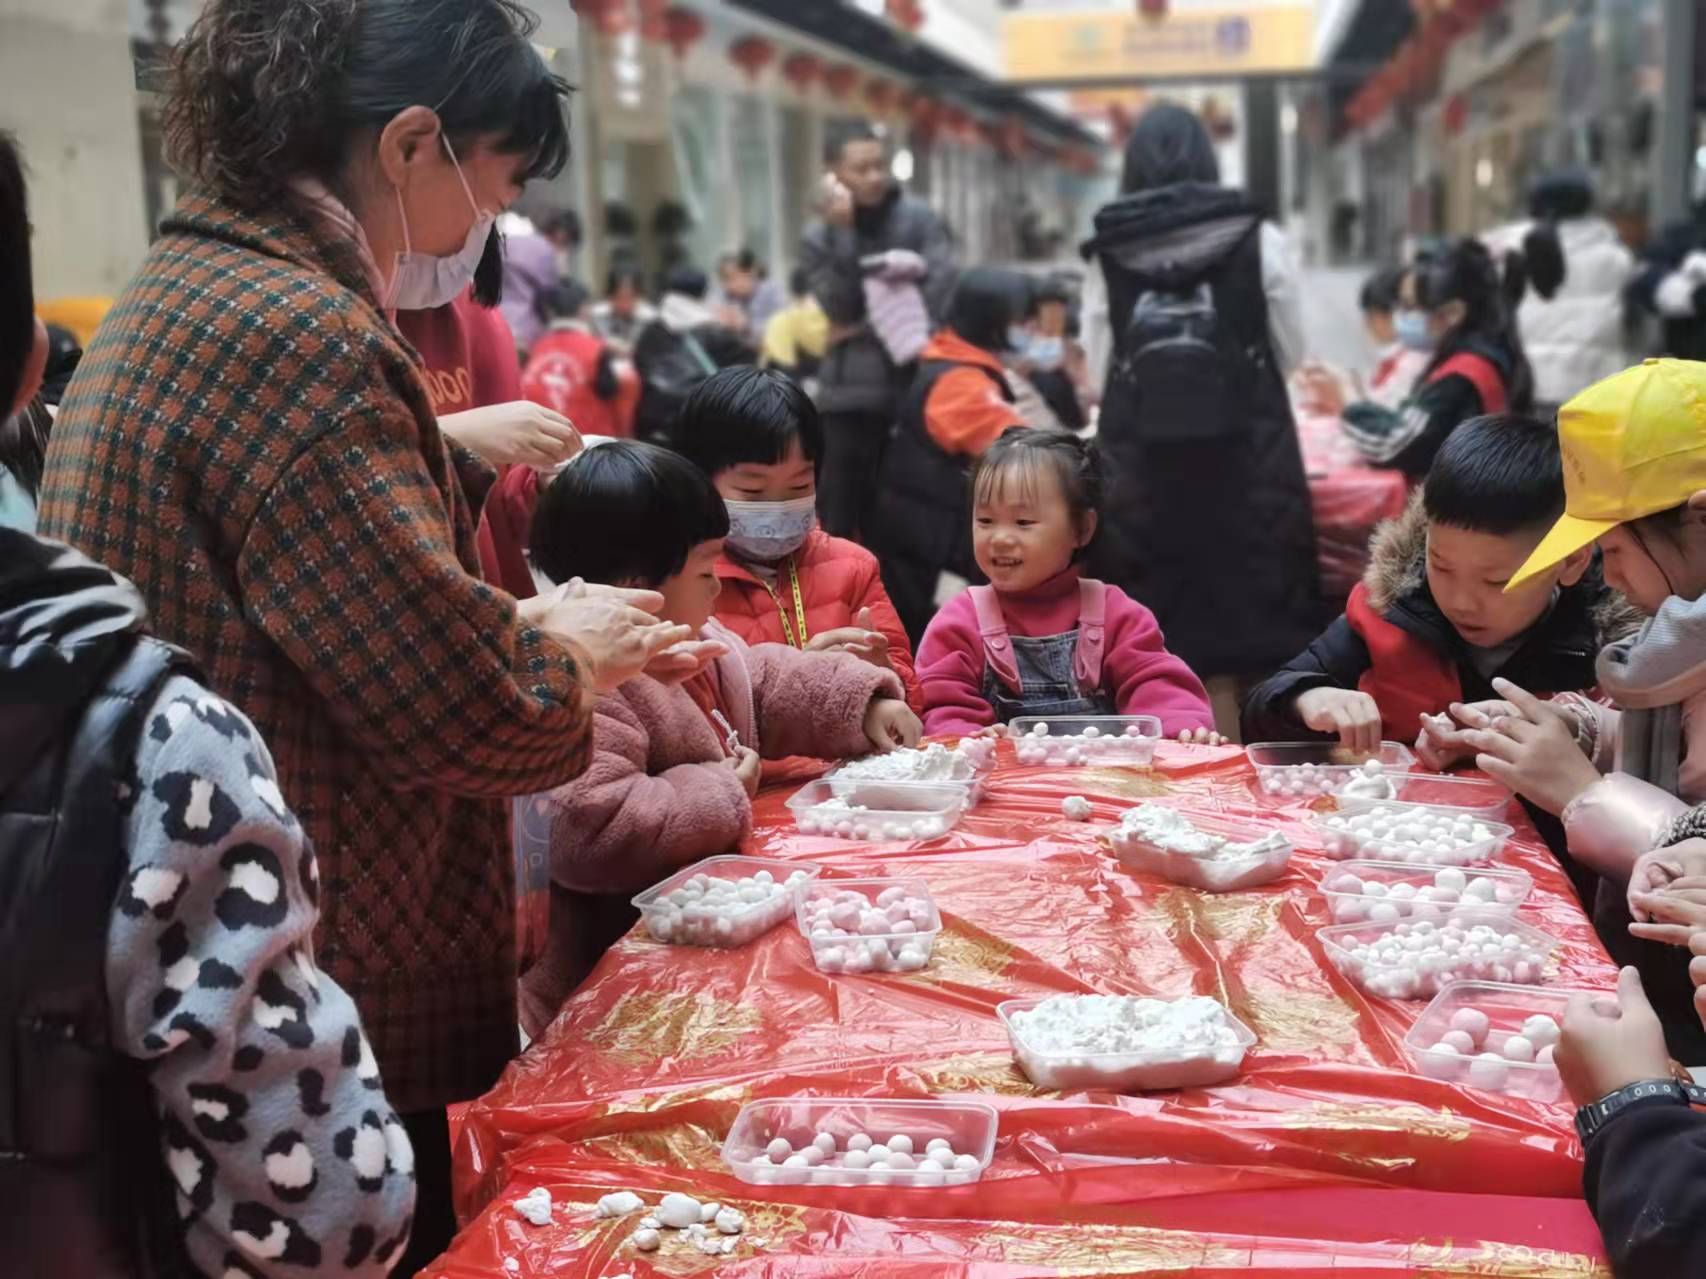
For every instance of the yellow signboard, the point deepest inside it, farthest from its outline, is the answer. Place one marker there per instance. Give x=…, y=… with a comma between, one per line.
x=1188, y=43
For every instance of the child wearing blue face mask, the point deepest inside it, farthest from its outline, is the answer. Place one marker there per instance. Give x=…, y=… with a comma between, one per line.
x=784, y=580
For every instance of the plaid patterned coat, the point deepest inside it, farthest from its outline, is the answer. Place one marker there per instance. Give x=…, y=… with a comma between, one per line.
x=248, y=440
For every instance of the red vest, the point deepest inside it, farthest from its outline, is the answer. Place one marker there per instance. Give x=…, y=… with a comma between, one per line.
x=1482, y=373
x=560, y=374
x=1406, y=676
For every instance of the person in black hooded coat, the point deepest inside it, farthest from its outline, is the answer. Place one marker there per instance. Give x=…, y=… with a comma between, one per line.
x=1209, y=520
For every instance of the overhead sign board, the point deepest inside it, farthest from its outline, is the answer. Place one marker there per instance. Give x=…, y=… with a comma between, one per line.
x=1193, y=41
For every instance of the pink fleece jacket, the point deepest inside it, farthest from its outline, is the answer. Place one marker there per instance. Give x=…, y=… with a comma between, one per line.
x=657, y=795
x=1138, y=673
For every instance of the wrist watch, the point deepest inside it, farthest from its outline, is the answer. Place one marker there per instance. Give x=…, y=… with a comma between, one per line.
x=1649, y=1092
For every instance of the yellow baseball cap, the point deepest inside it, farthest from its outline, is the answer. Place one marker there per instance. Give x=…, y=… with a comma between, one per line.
x=1634, y=445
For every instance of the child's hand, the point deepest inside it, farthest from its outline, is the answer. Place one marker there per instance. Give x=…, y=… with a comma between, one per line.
x=890, y=723
x=1353, y=715
x=1697, y=973
x=861, y=639
x=681, y=662
x=1663, y=867
x=1671, y=916
x=1201, y=737
x=1534, y=751
x=748, y=767
x=1609, y=1044
x=1440, y=744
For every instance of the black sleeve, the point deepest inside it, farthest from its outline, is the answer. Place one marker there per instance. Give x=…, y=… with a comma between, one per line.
x=830, y=258
x=1662, y=256
x=1645, y=1181
x=1406, y=438
x=1336, y=658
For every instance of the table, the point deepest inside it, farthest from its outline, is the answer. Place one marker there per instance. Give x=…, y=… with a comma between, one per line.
x=1325, y=1156
x=1349, y=497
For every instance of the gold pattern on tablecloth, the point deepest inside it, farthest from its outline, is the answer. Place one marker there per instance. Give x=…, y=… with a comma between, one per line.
x=1124, y=783
x=767, y=1224
x=674, y=1146
x=1239, y=918
x=966, y=956
x=733, y=1095
x=1503, y=1261
x=1410, y=1117
x=1103, y=1250
x=1298, y=1020
x=979, y=1072
x=647, y=1025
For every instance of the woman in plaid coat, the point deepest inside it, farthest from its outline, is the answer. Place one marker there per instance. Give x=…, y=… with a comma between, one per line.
x=250, y=441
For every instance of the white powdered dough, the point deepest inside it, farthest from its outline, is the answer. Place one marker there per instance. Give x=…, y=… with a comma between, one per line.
x=1081, y=1025
x=620, y=1204
x=1171, y=831
x=1162, y=841
x=678, y=1211
x=1370, y=782
x=1076, y=808
x=709, y=911
x=933, y=763
x=1403, y=833
x=535, y=1206
x=647, y=1240
x=729, y=1222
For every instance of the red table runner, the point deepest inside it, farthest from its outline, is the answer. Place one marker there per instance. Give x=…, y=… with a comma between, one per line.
x=1326, y=1155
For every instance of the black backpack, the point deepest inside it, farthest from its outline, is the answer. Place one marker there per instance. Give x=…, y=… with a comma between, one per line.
x=1177, y=368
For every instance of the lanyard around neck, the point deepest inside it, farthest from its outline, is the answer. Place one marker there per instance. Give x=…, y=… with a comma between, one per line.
x=788, y=632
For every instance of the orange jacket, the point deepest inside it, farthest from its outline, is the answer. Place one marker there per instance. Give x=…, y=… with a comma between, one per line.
x=837, y=579
x=966, y=413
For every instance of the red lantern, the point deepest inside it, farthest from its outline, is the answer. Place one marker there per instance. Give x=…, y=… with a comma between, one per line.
x=925, y=113
x=908, y=15
x=652, y=25
x=1010, y=137
x=801, y=70
x=607, y=17
x=879, y=96
x=1456, y=114
x=682, y=29
x=840, y=80
x=752, y=54
x=1152, y=10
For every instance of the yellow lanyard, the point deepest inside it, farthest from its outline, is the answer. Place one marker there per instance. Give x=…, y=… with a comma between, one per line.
x=799, y=608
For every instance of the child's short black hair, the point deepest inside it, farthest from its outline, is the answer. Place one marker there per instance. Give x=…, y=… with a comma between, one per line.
x=1502, y=473
x=689, y=280
x=561, y=301
x=745, y=416
x=986, y=303
x=625, y=512
x=1380, y=292
x=1022, y=452
x=17, y=288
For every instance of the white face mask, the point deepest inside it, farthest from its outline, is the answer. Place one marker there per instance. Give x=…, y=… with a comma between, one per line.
x=767, y=531
x=423, y=282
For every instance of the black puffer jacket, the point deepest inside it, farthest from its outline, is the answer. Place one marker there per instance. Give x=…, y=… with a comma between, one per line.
x=1214, y=534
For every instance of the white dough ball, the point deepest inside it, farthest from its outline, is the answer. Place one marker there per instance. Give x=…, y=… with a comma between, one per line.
x=859, y=1141
x=901, y=1144
x=778, y=1150
x=1517, y=1048
x=1540, y=1030
x=1471, y=1022
x=1489, y=1070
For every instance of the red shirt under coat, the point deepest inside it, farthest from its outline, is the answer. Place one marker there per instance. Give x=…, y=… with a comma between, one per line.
x=469, y=354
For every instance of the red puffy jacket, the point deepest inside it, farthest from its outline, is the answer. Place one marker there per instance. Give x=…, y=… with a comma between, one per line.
x=837, y=579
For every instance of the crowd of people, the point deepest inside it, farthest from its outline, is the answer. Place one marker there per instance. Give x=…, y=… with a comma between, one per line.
x=353, y=524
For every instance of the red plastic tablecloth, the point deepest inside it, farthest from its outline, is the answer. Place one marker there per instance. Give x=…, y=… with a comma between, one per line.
x=1349, y=497
x=1327, y=1155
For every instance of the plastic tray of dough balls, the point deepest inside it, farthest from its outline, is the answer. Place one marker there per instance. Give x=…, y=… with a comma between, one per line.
x=1304, y=770
x=1413, y=834
x=877, y=811
x=723, y=901
x=1214, y=871
x=1417, y=958
x=1383, y=892
x=1494, y=1035
x=1478, y=798
x=967, y=765
x=1051, y=1062
x=854, y=1141
x=869, y=925
x=1072, y=741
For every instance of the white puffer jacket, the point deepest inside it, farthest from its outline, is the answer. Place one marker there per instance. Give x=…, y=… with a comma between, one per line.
x=1576, y=339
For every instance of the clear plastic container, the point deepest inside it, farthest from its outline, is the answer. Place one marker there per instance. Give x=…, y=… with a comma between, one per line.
x=975, y=760
x=1478, y=797
x=1122, y=1072
x=1507, y=1007
x=1072, y=740
x=1348, y=907
x=1213, y=873
x=657, y=909
x=900, y=950
x=1418, y=978
x=1343, y=843
x=1300, y=770
x=879, y=810
x=967, y=1126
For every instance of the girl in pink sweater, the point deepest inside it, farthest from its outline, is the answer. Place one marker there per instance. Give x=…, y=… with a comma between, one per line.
x=674, y=767
x=1042, y=639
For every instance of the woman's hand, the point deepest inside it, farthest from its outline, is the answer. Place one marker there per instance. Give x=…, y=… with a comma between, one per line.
x=748, y=767
x=1671, y=916
x=889, y=723
x=1320, y=391
x=617, y=631
x=519, y=433
x=1353, y=715
x=1534, y=751
x=1609, y=1044
x=1201, y=737
x=1664, y=868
